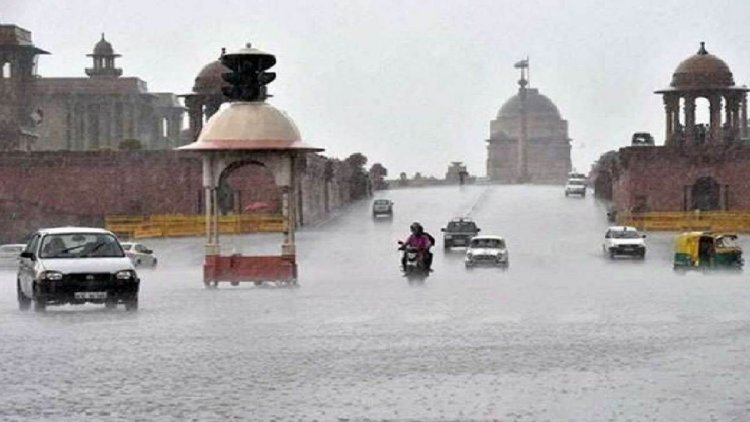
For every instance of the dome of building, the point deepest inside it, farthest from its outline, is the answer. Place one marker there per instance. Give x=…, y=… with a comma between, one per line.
x=103, y=48
x=249, y=126
x=702, y=70
x=536, y=105
x=209, y=80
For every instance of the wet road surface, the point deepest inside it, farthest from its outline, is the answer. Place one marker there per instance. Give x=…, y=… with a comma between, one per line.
x=564, y=334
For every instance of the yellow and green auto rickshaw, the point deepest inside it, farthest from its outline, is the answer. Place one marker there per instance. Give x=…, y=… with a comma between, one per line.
x=700, y=250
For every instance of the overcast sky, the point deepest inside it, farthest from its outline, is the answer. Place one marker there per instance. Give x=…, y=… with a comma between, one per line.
x=412, y=84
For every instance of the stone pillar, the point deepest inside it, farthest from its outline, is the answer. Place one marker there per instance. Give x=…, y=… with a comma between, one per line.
x=671, y=109
x=743, y=116
x=195, y=115
x=714, y=136
x=733, y=110
x=689, y=119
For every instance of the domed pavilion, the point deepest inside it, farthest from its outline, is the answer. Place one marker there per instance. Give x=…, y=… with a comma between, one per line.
x=701, y=166
x=704, y=75
x=206, y=97
x=528, y=140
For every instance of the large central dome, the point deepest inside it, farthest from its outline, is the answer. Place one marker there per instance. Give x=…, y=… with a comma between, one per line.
x=536, y=105
x=702, y=70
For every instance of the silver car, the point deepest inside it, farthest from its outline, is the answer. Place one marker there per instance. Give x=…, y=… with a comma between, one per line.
x=139, y=254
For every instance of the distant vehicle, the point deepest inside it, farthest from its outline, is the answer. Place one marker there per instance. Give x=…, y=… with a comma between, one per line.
x=139, y=254
x=642, y=139
x=574, y=175
x=624, y=240
x=486, y=250
x=10, y=255
x=706, y=250
x=75, y=265
x=382, y=207
x=576, y=187
x=459, y=232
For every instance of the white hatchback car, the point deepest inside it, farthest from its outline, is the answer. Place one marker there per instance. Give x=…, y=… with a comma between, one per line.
x=486, y=250
x=139, y=254
x=624, y=240
x=576, y=187
x=75, y=265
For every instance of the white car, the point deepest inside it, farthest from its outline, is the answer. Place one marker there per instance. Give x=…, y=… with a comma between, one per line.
x=576, y=187
x=75, y=265
x=486, y=250
x=624, y=240
x=10, y=254
x=139, y=254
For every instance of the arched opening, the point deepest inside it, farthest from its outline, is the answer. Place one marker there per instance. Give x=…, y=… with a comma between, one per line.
x=248, y=187
x=5, y=71
x=702, y=120
x=705, y=194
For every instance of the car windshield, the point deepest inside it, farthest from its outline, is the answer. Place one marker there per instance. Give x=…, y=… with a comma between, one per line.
x=80, y=245
x=461, y=226
x=576, y=182
x=487, y=243
x=382, y=201
x=624, y=234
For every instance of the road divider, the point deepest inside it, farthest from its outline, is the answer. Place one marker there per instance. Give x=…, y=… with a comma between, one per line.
x=716, y=221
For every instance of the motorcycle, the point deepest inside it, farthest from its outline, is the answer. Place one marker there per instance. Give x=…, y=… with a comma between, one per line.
x=414, y=261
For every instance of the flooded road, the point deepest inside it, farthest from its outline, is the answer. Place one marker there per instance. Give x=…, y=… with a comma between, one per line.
x=563, y=334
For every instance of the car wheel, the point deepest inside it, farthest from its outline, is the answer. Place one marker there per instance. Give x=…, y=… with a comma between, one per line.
x=468, y=265
x=566, y=194
x=24, y=303
x=155, y=262
x=131, y=305
x=137, y=263
x=611, y=254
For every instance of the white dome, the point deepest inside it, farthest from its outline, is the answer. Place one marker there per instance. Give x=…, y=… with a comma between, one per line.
x=249, y=126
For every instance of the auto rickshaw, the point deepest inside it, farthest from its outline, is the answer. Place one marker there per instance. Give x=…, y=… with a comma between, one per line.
x=706, y=250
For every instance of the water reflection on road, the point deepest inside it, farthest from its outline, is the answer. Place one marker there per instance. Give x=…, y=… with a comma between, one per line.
x=564, y=334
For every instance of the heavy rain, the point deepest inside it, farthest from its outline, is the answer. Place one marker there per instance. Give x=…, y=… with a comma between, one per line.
x=374, y=211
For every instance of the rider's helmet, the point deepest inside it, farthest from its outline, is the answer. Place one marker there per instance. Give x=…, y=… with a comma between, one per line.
x=416, y=228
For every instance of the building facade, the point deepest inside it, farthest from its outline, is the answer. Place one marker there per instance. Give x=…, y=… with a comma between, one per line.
x=528, y=141
x=701, y=166
x=98, y=111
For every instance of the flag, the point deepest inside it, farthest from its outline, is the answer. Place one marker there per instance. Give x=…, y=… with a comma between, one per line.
x=523, y=64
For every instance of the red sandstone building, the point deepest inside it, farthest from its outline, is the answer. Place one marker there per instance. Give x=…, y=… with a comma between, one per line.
x=95, y=112
x=528, y=140
x=703, y=166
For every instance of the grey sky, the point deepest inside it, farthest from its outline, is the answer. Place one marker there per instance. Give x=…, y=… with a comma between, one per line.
x=412, y=84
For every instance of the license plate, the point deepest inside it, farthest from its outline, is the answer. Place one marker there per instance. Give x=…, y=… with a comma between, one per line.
x=90, y=295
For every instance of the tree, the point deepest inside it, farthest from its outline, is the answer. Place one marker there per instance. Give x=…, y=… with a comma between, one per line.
x=377, y=176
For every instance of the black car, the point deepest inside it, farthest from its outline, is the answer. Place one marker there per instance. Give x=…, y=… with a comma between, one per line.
x=459, y=232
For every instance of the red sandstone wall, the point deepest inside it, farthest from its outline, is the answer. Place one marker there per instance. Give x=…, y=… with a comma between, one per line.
x=661, y=174
x=62, y=187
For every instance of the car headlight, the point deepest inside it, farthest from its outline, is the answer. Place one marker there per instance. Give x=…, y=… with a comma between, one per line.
x=125, y=275
x=52, y=275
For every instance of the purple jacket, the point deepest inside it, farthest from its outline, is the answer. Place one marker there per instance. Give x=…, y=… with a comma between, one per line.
x=421, y=243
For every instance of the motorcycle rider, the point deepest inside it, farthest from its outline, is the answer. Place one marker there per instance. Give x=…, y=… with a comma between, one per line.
x=422, y=242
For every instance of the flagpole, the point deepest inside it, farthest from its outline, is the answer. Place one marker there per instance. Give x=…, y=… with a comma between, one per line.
x=528, y=70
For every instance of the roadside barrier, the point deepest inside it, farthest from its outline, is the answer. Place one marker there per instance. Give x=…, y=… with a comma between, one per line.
x=184, y=225
x=716, y=221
